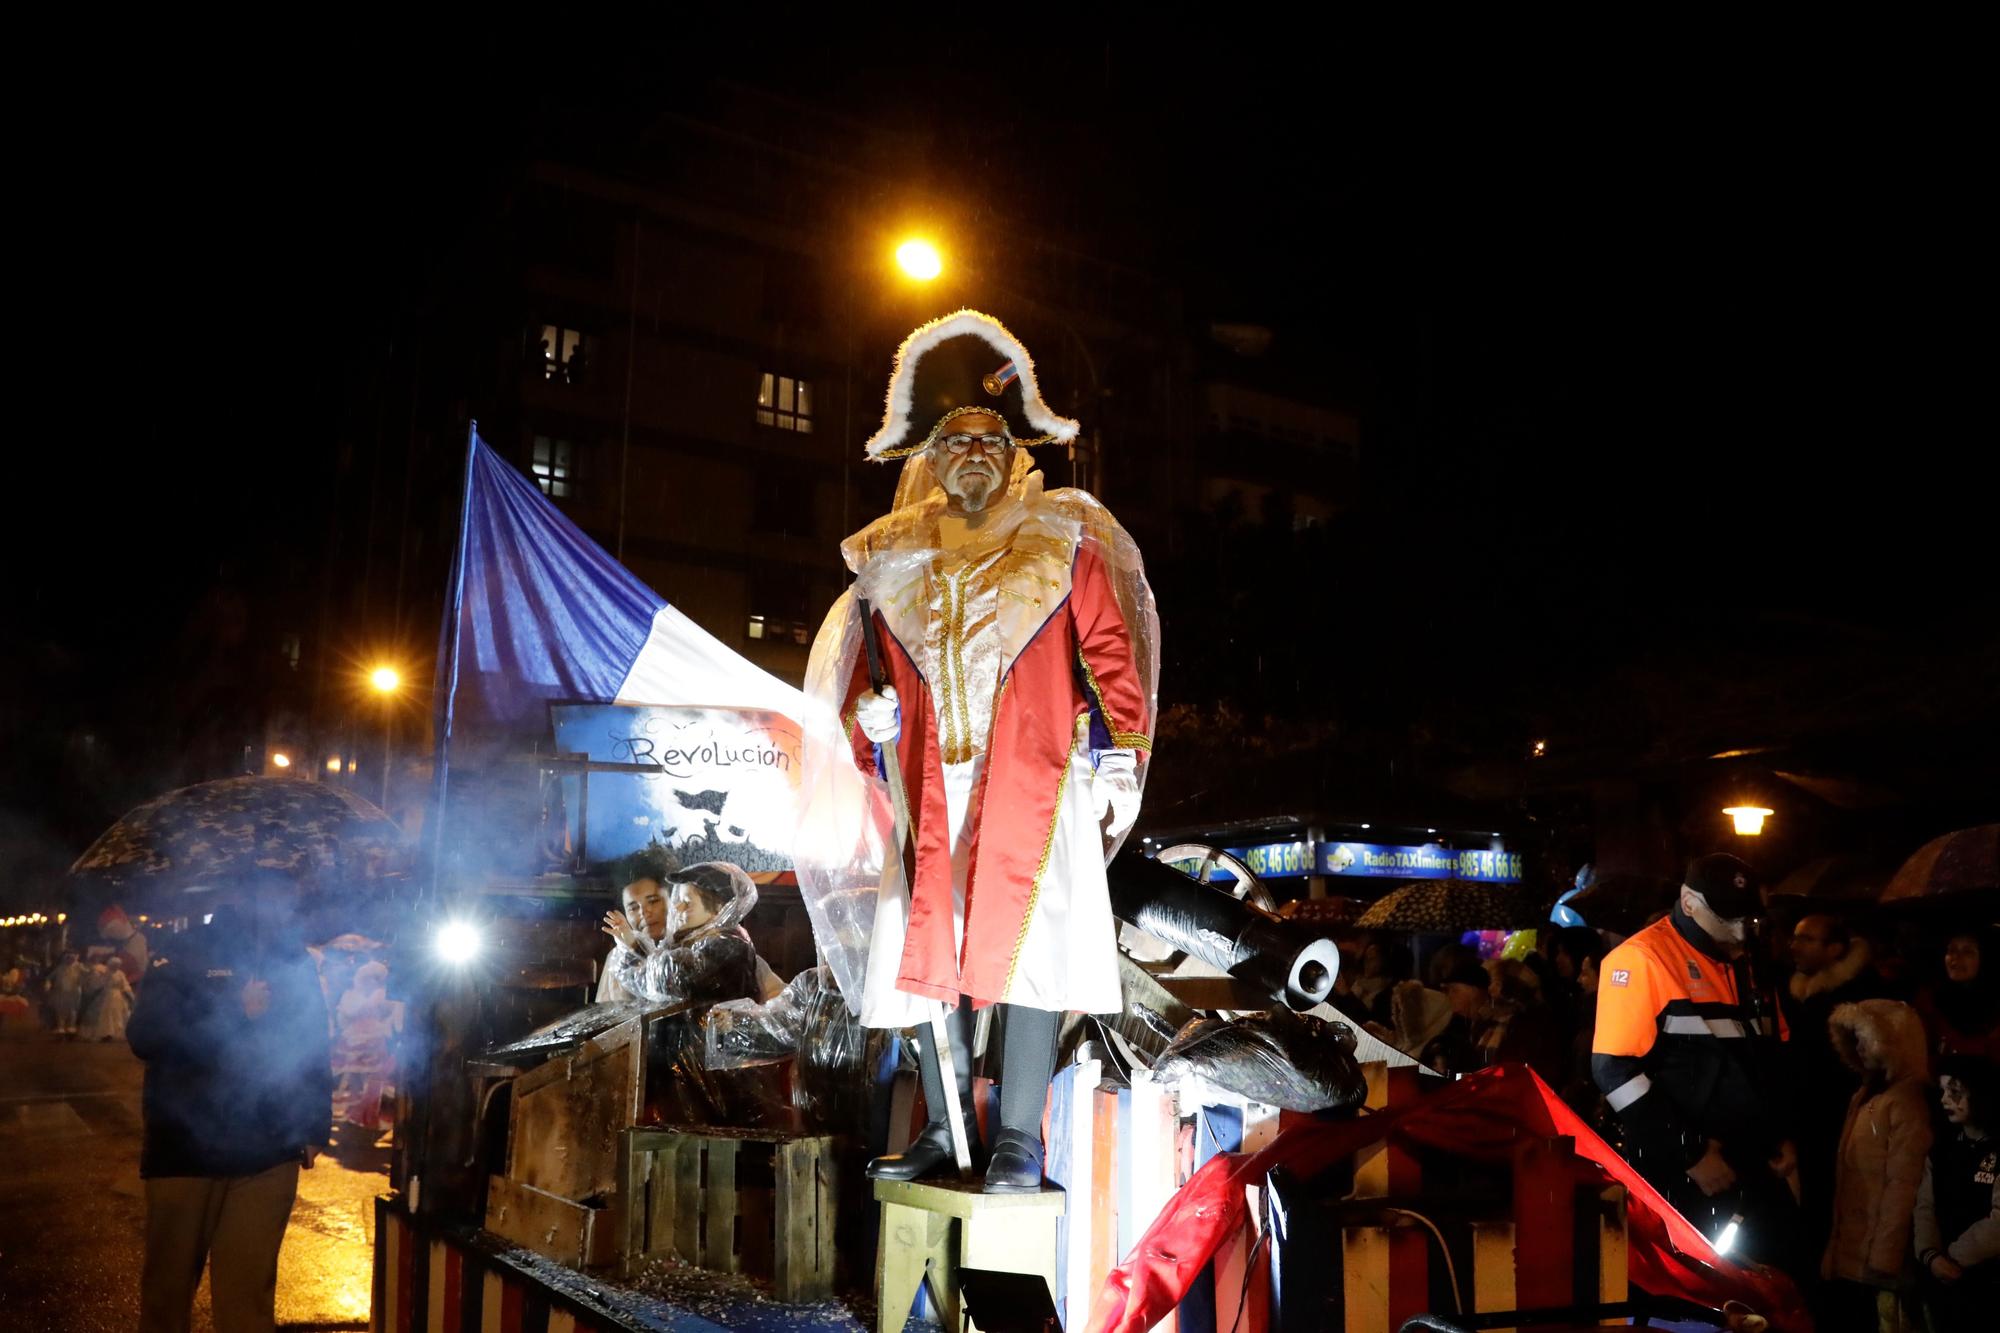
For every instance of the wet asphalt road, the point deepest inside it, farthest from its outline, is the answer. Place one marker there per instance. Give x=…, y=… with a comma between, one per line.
x=72, y=1212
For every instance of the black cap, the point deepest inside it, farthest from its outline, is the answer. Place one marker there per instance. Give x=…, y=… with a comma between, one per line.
x=1727, y=883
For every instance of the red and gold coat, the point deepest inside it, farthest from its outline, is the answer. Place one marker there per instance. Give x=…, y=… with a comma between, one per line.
x=1019, y=656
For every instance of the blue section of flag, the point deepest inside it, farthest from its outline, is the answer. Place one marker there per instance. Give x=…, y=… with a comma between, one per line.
x=544, y=612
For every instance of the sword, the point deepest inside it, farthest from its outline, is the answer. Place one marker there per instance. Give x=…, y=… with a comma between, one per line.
x=899, y=796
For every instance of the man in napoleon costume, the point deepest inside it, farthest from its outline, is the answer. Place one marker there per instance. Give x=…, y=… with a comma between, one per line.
x=1020, y=645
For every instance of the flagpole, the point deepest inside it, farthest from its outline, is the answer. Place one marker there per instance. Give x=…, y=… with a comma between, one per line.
x=447, y=692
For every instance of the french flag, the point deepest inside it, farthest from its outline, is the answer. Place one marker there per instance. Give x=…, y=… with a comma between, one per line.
x=540, y=613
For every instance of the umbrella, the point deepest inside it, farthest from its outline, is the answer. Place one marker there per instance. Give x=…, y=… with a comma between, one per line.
x=311, y=832
x=1444, y=905
x=1835, y=879
x=1963, y=862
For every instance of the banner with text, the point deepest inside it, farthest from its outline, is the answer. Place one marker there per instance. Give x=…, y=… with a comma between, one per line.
x=1356, y=860
x=719, y=784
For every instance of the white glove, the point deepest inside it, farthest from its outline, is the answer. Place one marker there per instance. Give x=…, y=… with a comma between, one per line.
x=1115, y=788
x=880, y=716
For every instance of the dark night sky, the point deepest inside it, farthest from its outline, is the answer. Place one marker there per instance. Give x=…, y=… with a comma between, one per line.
x=1619, y=339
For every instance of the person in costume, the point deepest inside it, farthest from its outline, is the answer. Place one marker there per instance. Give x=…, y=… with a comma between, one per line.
x=112, y=1010
x=65, y=986
x=1020, y=645
x=127, y=942
x=703, y=957
x=644, y=919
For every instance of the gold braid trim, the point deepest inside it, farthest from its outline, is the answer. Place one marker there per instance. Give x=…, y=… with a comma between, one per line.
x=1130, y=740
x=957, y=648
x=947, y=738
x=905, y=450
x=1042, y=866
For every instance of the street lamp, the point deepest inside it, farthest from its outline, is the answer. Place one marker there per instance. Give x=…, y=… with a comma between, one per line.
x=1749, y=818
x=385, y=680
x=281, y=760
x=919, y=259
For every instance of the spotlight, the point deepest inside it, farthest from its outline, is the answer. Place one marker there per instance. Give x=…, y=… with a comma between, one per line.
x=457, y=942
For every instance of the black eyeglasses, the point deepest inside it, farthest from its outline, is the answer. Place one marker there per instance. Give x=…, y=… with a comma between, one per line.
x=992, y=444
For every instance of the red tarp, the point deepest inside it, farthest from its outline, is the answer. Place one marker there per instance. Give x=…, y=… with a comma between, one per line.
x=1482, y=1117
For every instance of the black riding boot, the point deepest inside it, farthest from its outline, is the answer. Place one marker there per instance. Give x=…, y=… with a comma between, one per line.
x=931, y=1150
x=1027, y=1062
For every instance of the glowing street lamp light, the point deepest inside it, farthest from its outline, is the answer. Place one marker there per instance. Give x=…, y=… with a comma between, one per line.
x=281, y=760
x=919, y=259
x=385, y=680
x=333, y=764
x=1749, y=818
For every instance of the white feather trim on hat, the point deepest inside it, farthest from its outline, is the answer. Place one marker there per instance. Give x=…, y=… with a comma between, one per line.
x=896, y=423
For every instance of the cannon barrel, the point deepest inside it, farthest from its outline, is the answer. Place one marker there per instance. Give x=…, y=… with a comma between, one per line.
x=1295, y=964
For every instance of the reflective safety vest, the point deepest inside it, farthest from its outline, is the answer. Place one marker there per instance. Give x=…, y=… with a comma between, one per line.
x=1685, y=1051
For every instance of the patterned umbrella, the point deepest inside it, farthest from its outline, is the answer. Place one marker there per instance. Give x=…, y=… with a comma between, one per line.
x=307, y=831
x=1967, y=861
x=1438, y=906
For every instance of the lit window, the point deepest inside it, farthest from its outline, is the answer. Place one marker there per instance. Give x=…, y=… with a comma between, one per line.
x=784, y=402
x=551, y=467
x=783, y=617
x=562, y=354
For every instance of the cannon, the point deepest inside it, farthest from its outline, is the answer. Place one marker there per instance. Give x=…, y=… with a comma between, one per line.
x=1294, y=964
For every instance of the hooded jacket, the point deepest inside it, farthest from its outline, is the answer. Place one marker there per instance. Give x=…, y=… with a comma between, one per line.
x=227, y=1094
x=1883, y=1143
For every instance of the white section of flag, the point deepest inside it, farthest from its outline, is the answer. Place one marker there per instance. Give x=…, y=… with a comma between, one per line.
x=682, y=664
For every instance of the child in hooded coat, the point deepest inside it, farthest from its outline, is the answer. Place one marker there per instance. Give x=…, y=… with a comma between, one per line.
x=1883, y=1145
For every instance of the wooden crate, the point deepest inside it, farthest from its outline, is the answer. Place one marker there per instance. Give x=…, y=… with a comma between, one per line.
x=578, y=1235
x=734, y=1201
x=567, y=1114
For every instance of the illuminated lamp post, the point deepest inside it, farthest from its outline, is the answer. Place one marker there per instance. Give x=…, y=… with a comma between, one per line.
x=1749, y=818
x=386, y=681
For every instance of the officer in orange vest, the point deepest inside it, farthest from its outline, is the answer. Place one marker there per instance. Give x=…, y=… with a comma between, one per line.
x=1682, y=1055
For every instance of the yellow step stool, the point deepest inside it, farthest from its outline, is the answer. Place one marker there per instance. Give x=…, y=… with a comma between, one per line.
x=933, y=1228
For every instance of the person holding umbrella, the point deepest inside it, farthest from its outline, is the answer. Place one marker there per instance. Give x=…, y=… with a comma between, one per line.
x=238, y=1096
x=1961, y=1013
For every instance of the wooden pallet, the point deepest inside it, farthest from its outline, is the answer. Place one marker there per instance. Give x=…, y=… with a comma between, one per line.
x=734, y=1201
